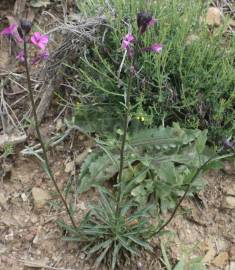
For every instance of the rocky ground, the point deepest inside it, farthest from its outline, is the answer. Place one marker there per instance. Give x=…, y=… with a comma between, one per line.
x=30, y=237
x=29, y=205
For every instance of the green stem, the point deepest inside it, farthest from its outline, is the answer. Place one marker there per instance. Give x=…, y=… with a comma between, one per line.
x=201, y=168
x=125, y=128
x=46, y=160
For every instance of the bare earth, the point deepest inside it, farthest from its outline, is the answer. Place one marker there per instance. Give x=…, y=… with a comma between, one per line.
x=31, y=238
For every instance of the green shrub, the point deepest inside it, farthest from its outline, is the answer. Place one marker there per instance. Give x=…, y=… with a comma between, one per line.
x=193, y=81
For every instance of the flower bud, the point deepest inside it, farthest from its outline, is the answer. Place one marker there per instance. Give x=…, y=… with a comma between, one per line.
x=144, y=20
x=25, y=27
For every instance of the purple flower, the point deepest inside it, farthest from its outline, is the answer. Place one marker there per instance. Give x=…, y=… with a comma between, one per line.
x=43, y=55
x=154, y=48
x=127, y=40
x=144, y=20
x=20, y=56
x=152, y=22
x=39, y=40
x=10, y=30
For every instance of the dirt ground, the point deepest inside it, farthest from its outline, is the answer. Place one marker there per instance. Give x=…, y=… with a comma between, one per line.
x=31, y=239
x=29, y=209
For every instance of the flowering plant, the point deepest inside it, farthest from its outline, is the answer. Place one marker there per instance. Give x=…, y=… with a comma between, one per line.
x=144, y=20
x=37, y=39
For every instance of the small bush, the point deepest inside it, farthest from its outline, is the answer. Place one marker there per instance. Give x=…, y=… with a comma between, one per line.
x=192, y=81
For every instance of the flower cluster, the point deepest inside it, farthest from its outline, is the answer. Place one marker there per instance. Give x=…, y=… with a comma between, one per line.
x=144, y=20
x=37, y=39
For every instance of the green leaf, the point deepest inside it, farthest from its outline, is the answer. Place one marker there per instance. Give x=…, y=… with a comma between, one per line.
x=201, y=141
x=165, y=257
x=96, y=169
x=102, y=245
x=163, y=137
x=180, y=265
x=116, y=250
x=139, y=193
x=140, y=242
x=167, y=172
x=101, y=257
x=127, y=246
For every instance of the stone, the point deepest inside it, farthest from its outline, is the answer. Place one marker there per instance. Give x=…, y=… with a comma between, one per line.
x=3, y=200
x=10, y=236
x=228, y=202
x=211, y=252
x=229, y=167
x=213, y=17
x=69, y=167
x=82, y=256
x=34, y=219
x=229, y=189
x=59, y=124
x=232, y=253
x=3, y=249
x=40, y=197
x=232, y=266
x=82, y=206
x=24, y=197
x=38, y=235
x=221, y=260
x=222, y=244
x=232, y=23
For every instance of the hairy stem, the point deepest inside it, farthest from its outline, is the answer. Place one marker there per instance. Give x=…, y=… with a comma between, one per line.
x=46, y=160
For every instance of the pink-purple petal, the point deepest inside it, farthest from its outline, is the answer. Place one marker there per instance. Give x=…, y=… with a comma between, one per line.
x=156, y=47
x=39, y=40
x=127, y=40
x=42, y=56
x=20, y=56
x=10, y=30
x=152, y=22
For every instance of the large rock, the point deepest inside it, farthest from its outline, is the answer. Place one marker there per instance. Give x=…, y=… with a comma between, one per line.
x=40, y=197
x=213, y=17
